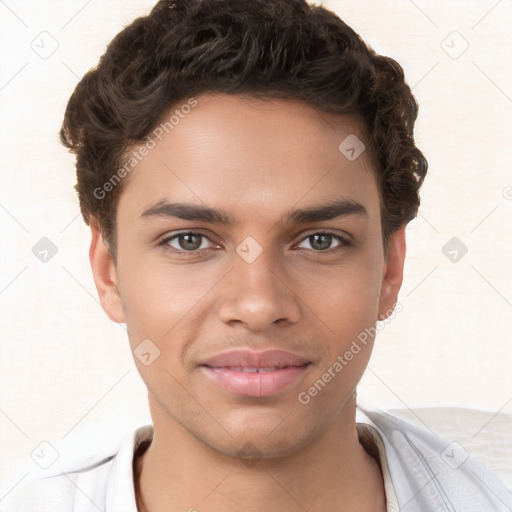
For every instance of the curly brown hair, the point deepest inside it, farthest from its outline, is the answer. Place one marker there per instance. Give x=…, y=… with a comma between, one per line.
x=261, y=48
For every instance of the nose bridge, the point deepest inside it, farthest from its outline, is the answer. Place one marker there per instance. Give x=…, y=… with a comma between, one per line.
x=256, y=293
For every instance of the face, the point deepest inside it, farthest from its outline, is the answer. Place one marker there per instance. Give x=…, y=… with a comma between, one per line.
x=250, y=255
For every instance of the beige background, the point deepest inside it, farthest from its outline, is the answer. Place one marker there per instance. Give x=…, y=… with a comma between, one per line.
x=66, y=370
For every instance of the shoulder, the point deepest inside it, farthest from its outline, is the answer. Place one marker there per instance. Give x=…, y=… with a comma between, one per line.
x=429, y=471
x=83, y=482
x=55, y=492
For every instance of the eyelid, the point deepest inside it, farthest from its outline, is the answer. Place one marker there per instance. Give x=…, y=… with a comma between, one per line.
x=346, y=237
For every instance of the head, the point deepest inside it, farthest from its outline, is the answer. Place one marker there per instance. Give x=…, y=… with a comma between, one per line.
x=247, y=168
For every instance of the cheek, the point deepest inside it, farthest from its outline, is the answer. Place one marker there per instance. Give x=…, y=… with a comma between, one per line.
x=344, y=300
x=346, y=311
x=158, y=298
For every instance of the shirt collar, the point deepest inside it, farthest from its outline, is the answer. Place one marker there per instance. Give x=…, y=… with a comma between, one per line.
x=120, y=488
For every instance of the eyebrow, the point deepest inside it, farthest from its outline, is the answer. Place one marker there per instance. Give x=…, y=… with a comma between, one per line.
x=325, y=211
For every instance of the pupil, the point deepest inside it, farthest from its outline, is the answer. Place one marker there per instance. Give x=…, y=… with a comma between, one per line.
x=321, y=242
x=190, y=241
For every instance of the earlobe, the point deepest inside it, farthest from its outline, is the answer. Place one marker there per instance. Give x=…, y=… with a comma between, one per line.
x=105, y=275
x=393, y=273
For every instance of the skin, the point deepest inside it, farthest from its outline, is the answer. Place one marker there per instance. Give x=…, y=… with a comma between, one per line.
x=254, y=160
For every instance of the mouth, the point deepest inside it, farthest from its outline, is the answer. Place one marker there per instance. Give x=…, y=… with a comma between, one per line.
x=254, y=370
x=256, y=374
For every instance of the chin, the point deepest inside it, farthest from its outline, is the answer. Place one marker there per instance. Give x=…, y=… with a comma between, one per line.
x=266, y=438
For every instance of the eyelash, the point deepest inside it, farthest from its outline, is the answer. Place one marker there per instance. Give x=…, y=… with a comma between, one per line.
x=343, y=242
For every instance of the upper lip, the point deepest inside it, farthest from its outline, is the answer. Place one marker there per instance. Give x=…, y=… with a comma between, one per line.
x=243, y=358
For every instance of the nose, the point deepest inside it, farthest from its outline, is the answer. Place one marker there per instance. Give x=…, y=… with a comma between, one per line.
x=258, y=295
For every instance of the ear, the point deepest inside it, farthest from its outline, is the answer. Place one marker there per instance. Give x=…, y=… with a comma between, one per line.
x=393, y=273
x=105, y=275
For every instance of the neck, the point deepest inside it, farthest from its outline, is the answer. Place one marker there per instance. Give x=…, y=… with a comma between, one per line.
x=179, y=472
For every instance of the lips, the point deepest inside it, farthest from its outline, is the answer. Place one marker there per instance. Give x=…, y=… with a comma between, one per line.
x=255, y=374
x=249, y=359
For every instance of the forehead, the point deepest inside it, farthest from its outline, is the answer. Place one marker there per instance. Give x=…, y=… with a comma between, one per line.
x=233, y=152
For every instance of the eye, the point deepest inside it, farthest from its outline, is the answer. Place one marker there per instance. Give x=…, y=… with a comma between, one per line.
x=187, y=242
x=323, y=242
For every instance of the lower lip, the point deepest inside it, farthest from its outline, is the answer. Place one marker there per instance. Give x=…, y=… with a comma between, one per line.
x=255, y=383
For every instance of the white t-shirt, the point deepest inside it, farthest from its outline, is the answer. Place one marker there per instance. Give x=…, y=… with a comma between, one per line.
x=422, y=473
